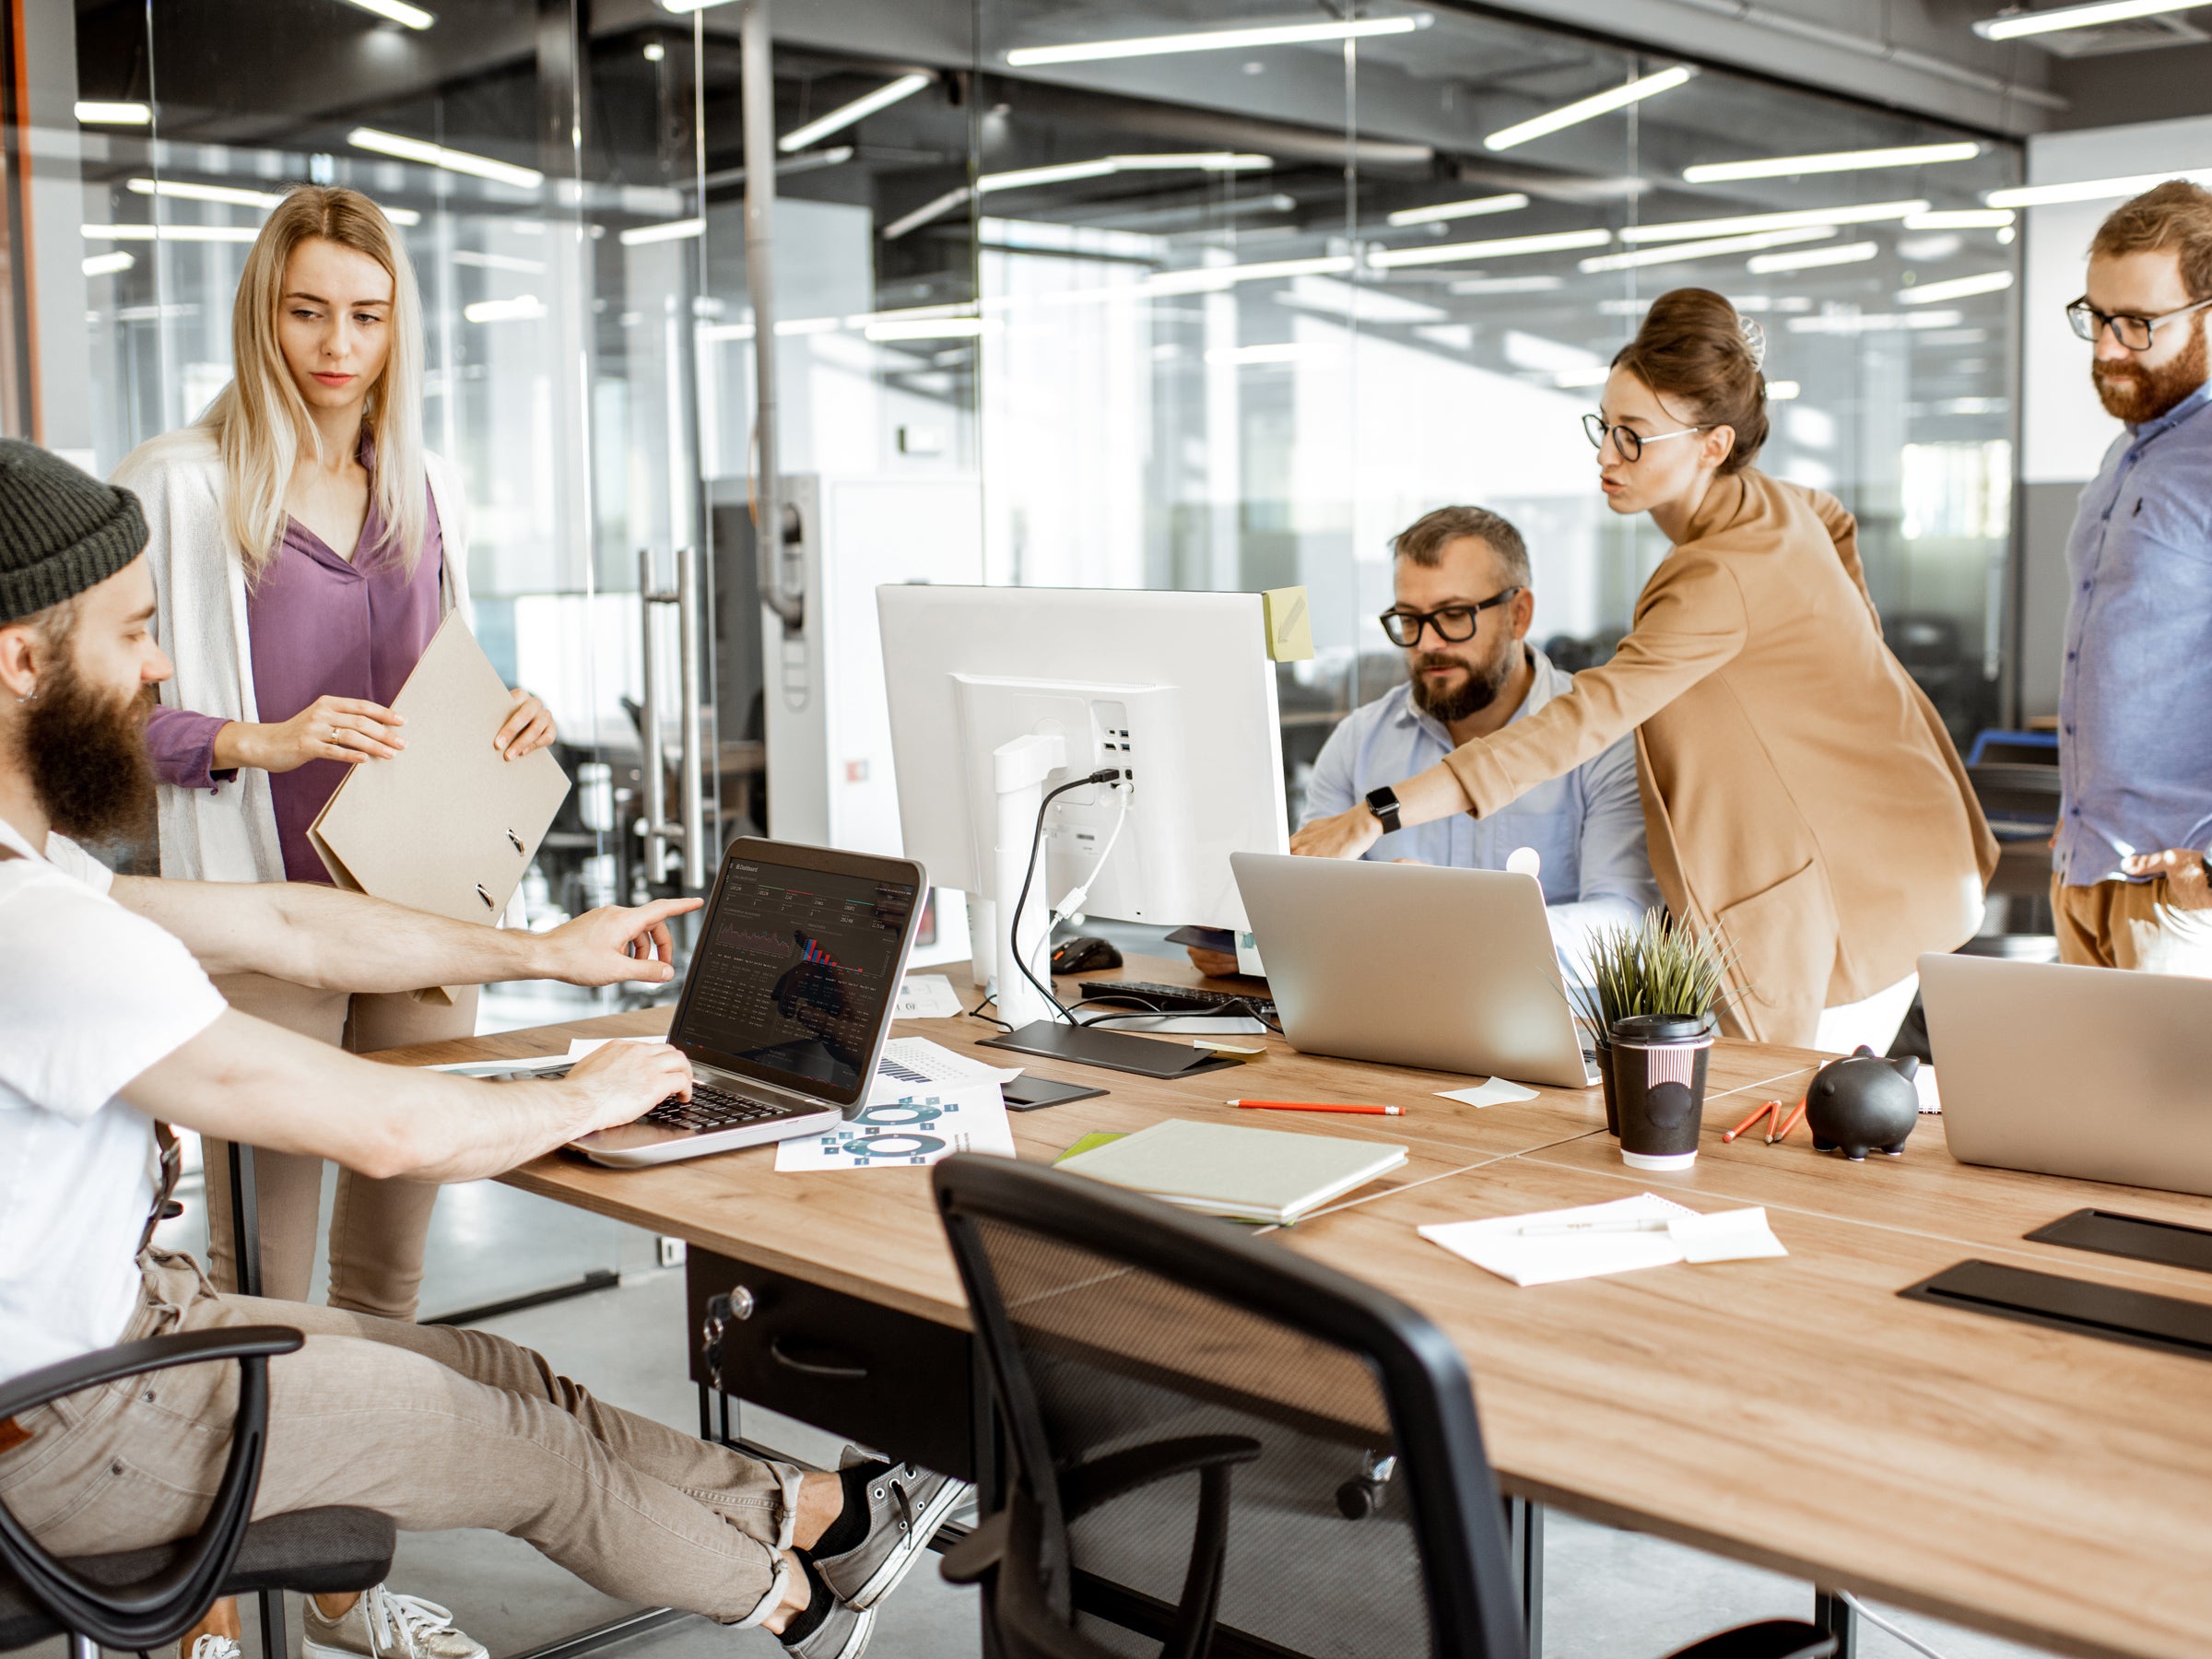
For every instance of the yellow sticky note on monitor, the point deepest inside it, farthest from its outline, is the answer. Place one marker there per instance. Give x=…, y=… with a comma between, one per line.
x=1290, y=624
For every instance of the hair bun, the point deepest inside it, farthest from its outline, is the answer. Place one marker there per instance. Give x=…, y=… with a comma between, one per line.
x=1755, y=340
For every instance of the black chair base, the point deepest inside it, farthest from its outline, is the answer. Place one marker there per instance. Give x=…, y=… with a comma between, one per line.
x=317, y=1552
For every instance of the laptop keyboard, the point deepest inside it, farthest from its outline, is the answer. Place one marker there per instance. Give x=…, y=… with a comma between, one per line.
x=712, y=1108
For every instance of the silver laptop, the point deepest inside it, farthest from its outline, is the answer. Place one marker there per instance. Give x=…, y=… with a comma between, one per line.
x=786, y=1004
x=2089, y=1072
x=1452, y=971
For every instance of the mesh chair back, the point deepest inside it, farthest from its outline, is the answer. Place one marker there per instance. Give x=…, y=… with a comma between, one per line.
x=1360, y=1514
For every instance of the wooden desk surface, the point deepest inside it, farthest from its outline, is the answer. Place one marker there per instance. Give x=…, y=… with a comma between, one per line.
x=1797, y=1414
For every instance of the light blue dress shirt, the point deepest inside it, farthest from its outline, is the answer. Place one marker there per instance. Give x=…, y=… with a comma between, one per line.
x=1587, y=826
x=2135, y=700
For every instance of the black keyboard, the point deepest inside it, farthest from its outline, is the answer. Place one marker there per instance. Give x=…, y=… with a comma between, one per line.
x=1175, y=999
x=713, y=1108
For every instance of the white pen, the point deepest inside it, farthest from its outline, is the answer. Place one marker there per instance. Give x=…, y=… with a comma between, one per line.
x=1547, y=1229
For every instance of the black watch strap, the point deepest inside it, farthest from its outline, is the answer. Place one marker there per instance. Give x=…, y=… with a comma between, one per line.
x=1384, y=804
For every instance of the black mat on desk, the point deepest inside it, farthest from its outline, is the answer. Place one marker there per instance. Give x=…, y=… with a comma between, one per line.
x=1116, y=1051
x=2109, y=1232
x=2166, y=1323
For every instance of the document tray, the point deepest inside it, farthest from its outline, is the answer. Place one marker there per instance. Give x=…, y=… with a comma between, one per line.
x=2166, y=1323
x=2137, y=1237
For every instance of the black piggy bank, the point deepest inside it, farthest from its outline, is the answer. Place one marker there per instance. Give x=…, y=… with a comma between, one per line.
x=1863, y=1104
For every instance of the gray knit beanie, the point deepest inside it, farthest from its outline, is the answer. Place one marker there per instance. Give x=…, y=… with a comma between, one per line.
x=62, y=530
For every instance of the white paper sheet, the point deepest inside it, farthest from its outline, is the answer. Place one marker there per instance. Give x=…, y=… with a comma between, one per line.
x=928, y=1121
x=909, y=1061
x=926, y=996
x=1496, y=1092
x=1664, y=1232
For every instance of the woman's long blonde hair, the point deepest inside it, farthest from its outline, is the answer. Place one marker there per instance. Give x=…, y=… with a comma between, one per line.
x=260, y=421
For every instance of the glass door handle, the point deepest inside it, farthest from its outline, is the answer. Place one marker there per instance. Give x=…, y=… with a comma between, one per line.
x=688, y=831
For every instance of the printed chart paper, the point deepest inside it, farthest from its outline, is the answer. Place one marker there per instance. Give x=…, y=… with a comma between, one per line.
x=918, y=1126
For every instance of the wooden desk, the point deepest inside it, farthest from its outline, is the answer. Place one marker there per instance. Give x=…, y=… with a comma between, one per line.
x=1796, y=1414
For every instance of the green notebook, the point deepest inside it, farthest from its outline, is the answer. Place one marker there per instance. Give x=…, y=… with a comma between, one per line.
x=1248, y=1174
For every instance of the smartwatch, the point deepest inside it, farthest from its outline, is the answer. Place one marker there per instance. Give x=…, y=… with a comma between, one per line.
x=1384, y=804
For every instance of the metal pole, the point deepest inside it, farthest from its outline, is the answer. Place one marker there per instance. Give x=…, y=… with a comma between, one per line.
x=690, y=798
x=655, y=768
x=757, y=83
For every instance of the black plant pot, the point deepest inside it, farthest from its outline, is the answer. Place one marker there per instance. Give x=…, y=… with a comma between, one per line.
x=1605, y=1073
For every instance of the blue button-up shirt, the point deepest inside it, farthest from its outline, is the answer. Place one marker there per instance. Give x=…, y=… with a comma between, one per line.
x=2134, y=700
x=1587, y=826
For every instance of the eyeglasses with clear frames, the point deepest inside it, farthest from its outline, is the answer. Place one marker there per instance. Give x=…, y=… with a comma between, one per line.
x=1628, y=442
x=2133, y=332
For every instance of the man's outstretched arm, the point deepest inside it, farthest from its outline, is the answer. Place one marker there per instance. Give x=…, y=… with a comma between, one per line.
x=244, y=1079
x=321, y=937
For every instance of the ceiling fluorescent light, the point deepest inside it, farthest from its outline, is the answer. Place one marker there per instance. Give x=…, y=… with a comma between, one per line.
x=1962, y=218
x=1505, y=285
x=94, y=112
x=438, y=155
x=498, y=262
x=204, y=193
x=906, y=85
x=1204, y=279
x=1280, y=351
x=1668, y=252
x=1859, y=323
x=928, y=329
x=2088, y=189
x=1787, y=166
x=397, y=11
x=2075, y=17
x=674, y=230
x=1475, y=208
x=523, y=308
x=1212, y=40
x=181, y=233
x=1782, y=391
x=1588, y=109
x=109, y=264
x=1864, y=213
x=1762, y=265
x=935, y=208
x=1200, y=160
x=681, y=7
x=1556, y=241
x=1958, y=287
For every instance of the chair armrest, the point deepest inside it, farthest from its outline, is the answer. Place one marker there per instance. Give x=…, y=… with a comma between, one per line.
x=1769, y=1639
x=134, y=1359
x=1088, y=1485
x=977, y=1555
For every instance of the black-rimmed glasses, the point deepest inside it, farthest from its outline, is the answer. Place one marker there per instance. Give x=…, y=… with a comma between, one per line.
x=2132, y=332
x=1455, y=624
x=1626, y=441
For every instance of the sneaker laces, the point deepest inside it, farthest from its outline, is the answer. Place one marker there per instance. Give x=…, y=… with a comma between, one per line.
x=215, y=1647
x=407, y=1618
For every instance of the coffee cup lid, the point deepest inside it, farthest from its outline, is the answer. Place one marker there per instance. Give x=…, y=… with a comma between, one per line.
x=1659, y=1028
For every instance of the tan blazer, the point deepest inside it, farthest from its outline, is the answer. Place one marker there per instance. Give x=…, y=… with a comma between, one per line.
x=1803, y=802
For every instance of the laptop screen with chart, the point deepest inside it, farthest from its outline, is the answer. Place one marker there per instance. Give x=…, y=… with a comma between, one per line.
x=796, y=966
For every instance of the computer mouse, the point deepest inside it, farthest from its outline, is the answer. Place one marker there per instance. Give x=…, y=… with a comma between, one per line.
x=1084, y=954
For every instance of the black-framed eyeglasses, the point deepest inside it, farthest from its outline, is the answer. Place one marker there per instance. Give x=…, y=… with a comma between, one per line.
x=2132, y=332
x=1455, y=624
x=1628, y=442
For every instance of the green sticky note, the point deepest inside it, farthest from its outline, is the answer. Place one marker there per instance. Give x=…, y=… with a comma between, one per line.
x=1290, y=624
x=1097, y=1137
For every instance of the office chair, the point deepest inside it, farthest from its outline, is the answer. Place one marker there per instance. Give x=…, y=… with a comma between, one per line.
x=1219, y=1448
x=147, y=1597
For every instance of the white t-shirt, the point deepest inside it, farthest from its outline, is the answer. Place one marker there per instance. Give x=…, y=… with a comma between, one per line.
x=90, y=995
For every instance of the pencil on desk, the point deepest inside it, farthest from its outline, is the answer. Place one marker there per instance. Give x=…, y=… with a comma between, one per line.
x=1318, y=1106
x=1783, y=1133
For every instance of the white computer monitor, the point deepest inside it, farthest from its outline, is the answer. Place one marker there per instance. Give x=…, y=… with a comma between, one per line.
x=1176, y=687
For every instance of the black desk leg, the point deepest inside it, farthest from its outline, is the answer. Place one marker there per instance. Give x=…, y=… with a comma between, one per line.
x=245, y=1220
x=1525, y=1536
x=1835, y=1616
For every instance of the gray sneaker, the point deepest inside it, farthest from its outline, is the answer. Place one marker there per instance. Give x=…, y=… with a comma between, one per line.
x=843, y=1634
x=385, y=1625
x=906, y=1506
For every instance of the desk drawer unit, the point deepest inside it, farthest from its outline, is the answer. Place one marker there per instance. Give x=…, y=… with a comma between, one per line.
x=903, y=1386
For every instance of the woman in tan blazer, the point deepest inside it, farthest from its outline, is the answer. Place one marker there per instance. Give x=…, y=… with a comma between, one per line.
x=1804, y=804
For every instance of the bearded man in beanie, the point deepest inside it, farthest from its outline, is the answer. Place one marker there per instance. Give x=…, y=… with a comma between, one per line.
x=110, y=1031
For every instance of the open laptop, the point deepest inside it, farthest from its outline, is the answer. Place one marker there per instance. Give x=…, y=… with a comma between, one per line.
x=1452, y=971
x=786, y=1004
x=2089, y=1072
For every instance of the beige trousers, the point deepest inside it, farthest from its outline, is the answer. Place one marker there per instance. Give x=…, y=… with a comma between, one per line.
x=378, y=1228
x=2131, y=924
x=436, y=1427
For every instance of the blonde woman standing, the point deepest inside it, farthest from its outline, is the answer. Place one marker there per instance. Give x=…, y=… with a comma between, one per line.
x=304, y=550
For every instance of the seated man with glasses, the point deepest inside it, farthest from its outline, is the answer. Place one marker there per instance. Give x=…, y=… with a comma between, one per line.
x=1464, y=606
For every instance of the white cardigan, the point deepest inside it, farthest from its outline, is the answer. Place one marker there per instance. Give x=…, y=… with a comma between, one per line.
x=228, y=833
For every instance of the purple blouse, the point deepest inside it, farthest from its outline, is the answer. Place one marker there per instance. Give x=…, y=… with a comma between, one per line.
x=318, y=626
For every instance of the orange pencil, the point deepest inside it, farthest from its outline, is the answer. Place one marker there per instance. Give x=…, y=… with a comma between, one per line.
x=1772, y=1106
x=1318, y=1106
x=1783, y=1133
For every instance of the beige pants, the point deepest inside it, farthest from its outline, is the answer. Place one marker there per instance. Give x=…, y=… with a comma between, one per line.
x=378, y=1228
x=2130, y=924
x=436, y=1427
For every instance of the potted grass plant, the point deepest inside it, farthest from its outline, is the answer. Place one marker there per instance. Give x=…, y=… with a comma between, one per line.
x=1659, y=966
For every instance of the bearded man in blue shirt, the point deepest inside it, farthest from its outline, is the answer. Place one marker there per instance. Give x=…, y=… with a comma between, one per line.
x=2128, y=884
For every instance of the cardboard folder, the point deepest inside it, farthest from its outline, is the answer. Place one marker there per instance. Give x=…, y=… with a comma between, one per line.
x=447, y=825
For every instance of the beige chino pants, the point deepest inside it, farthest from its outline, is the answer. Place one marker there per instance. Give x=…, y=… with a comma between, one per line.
x=378, y=1228
x=2131, y=924
x=436, y=1427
